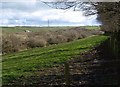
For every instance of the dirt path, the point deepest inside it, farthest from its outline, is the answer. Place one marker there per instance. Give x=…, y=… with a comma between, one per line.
x=99, y=68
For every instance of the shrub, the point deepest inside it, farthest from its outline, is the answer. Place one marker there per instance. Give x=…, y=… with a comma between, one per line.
x=10, y=43
x=0, y=43
x=36, y=42
x=13, y=42
x=61, y=38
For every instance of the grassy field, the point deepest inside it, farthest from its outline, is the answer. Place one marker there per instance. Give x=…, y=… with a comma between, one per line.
x=36, y=29
x=25, y=63
x=33, y=29
x=90, y=27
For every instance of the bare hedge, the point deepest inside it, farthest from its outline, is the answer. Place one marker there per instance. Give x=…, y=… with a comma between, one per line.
x=13, y=42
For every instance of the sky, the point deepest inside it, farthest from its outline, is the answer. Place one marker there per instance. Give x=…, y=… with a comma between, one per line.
x=36, y=13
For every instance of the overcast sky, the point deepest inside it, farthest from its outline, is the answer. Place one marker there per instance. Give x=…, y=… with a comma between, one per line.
x=37, y=13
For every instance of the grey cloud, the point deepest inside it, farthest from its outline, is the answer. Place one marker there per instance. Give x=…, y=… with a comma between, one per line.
x=20, y=13
x=24, y=6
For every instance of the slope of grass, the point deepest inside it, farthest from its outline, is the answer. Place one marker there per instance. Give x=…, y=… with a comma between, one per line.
x=91, y=27
x=25, y=63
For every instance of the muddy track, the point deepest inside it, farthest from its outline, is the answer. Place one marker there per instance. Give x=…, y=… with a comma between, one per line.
x=100, y=68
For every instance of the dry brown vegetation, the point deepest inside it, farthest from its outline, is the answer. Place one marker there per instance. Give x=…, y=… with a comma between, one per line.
x=13, y=42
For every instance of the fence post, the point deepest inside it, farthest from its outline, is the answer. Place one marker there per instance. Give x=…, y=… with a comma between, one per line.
x=67, y=74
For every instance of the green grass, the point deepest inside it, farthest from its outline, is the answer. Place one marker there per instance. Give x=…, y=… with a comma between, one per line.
x=33, y=29
x=44, y=29
x=25, y=63
x=91, y=27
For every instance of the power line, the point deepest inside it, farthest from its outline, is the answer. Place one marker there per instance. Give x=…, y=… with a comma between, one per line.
x=48, y=23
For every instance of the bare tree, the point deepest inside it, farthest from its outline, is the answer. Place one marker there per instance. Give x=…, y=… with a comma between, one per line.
x=76, y=5
x=108, y=12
